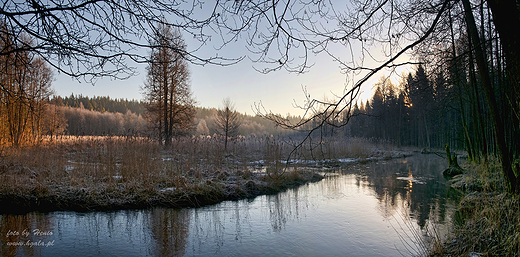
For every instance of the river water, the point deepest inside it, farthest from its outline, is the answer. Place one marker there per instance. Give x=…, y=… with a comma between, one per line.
x=384, y=208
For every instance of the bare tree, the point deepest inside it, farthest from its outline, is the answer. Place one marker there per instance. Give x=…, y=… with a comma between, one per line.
x=167, y=88
x=102, y=38
x=54, y=121
x=97, y=38
x=92, y=39
x=24, y=85
x=227, y=121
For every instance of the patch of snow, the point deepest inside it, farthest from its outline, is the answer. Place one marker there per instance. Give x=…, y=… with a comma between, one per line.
x=260, y=162
x=348, y=160
x=414, y=180
x=171, y=189
x=313, y=162
x=84, y=163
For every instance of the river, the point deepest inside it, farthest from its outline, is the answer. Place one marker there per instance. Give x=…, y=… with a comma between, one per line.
x=383, y=208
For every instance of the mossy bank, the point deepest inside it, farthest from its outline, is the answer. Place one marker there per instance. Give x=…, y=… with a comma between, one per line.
x=487, y=222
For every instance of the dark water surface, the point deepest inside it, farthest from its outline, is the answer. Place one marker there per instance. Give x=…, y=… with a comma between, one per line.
x=375, y=209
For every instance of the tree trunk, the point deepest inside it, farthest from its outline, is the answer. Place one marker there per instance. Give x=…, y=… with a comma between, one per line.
x=165, y=104
x=498, y=125
x=506, y=17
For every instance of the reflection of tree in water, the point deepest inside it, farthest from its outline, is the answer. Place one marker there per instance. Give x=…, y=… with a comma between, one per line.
x=240, y=216
x=169, y=228
x=212, y=225
x=423, y=190
x=208, y=226
x=287, y=206
x=18, y=223
x=278, y=213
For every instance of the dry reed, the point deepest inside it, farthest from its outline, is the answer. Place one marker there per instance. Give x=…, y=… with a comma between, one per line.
x=487, y=221
x=99, y=173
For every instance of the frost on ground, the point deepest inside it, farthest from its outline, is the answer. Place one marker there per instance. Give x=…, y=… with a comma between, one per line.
x=119, y=173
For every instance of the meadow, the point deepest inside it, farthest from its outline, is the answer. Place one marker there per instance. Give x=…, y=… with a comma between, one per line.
x=89, y=173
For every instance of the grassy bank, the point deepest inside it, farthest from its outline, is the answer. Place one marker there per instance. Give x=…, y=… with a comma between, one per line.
x=105, y=173
x=487, y=222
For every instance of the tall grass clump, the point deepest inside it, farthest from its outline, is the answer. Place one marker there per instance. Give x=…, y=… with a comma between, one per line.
x=98, y=173
x=487, y=222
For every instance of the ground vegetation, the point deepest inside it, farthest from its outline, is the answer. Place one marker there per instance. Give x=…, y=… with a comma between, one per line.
x=90, y=173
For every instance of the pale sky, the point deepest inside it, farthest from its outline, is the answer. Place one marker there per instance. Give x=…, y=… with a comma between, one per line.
x=210, y=84
x=240, y=82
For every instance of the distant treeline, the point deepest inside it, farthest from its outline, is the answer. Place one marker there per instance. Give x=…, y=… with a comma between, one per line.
x=250, y=125
x=427, y=110
x=81, y=121
x=103, y=115
x=101, y=103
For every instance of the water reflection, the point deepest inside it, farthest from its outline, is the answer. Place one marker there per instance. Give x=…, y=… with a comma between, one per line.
x=154, y=232
x=24, y=234
x=169, y=231
x=417, y=181
x=374, y=209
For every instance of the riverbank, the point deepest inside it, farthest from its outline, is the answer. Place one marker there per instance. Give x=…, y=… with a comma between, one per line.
x=109, y=173
x=95, y=174
x=487, y=222
x=103, y=196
